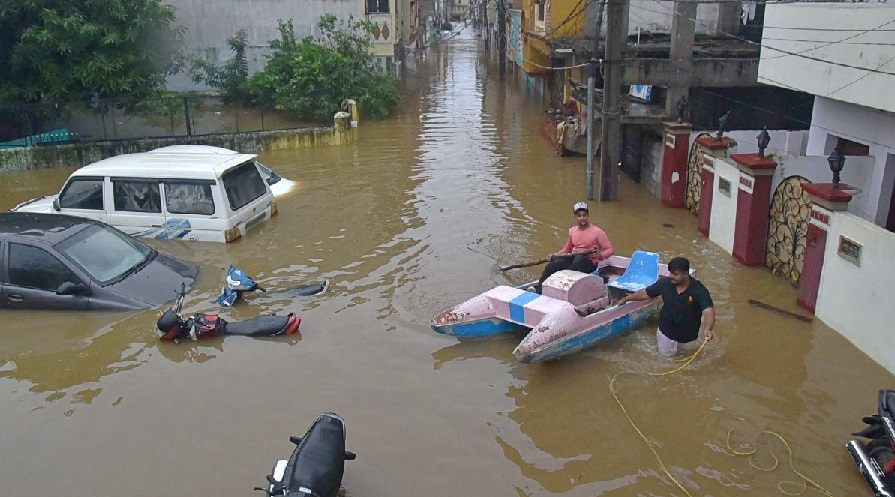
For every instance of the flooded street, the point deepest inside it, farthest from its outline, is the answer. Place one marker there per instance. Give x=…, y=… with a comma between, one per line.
x=414, y=217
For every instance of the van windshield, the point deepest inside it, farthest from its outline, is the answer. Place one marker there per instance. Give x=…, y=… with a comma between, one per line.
x=104, y=253
x=243, y=184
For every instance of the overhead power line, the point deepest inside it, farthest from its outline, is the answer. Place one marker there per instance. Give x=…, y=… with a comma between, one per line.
x=787, y=52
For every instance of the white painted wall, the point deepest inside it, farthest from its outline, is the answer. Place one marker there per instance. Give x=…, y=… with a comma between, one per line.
x=817, y=170
x=782, y=142
x=855, y=300
x=724, y=208
x=853, y=34
x=208, y=24
x=871, y=127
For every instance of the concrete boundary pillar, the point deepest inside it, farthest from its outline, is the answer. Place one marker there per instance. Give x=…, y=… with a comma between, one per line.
x=753, y=207
x=674, y=163
x=712, y=149
x=825, y=200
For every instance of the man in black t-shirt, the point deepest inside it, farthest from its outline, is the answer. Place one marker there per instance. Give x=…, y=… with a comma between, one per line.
x=687, y=307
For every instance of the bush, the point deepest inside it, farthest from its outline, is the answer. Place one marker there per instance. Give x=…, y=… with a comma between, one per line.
x=310, y=78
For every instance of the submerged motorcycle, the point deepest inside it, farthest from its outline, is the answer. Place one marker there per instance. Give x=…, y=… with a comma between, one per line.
x=239, y=283
x=875, y=457
x=172, y=326
x=317, y=463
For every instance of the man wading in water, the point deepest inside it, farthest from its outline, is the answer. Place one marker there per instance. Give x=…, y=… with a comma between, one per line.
x=687, y=308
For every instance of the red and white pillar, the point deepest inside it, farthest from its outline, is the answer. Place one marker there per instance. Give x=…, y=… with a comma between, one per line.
x=824, y=201
x=753, y=207
x=712, y=149
x=674, y=163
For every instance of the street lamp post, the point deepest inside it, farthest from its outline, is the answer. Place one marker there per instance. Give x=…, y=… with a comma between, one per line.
x=836, y=161
x=763, y=139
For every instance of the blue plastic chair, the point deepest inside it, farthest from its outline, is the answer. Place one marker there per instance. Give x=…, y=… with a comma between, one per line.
x=642, y=272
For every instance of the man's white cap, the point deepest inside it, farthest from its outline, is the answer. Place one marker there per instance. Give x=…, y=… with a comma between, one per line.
x=578, y=206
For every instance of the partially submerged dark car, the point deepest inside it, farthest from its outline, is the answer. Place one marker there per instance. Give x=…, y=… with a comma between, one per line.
x=55, y=261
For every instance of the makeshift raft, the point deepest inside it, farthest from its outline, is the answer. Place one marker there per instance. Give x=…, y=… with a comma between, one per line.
x=572, y=313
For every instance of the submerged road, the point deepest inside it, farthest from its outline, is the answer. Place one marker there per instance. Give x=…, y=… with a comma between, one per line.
x=412, y=218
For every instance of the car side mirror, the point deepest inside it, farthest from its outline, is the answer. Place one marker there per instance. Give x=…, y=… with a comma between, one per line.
x=56, y=204
x=69, y=288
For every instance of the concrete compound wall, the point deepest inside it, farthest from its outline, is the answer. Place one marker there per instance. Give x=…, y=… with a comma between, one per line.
x=724, y=206
x=69, y=154
x=651, y=164
x=853, y=298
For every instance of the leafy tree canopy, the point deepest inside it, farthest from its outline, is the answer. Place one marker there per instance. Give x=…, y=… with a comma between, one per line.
x=310, y=77
x=56, y=50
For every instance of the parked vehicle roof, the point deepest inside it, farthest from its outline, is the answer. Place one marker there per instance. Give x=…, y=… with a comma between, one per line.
x=178, y=161
x=50, y=228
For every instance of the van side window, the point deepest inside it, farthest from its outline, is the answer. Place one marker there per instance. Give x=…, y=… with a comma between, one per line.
x=243, y=184
x=83, y=194
x=32, y=267
x=189, y=198
x=136, y=196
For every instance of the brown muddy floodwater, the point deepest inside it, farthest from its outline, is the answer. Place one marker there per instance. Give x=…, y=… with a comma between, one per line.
x=414, y=217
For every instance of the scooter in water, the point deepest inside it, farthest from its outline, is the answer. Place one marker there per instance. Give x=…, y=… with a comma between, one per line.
x=172, y=326
x=317, y=464
x=239, y=283
x=875, y=457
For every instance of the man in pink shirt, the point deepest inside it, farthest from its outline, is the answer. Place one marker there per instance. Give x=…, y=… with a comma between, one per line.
x=584, y=237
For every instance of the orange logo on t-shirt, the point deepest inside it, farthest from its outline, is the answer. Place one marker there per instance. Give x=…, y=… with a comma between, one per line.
x=691, y=299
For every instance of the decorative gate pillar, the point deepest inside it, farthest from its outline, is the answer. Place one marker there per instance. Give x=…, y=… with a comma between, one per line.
x=712, y=148
x=825, y=199
x=674, y=163
x=753, y=207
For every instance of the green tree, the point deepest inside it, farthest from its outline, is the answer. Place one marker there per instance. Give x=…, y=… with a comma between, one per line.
x=233, y=78
x=62, y=50
x=312, y=77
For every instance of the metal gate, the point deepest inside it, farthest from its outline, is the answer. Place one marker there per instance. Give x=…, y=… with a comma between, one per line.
x=694, y=175
x=787, y=229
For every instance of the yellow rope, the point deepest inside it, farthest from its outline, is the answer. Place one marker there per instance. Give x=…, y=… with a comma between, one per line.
x=612, y=388
x=805, y=480
x=780, y=485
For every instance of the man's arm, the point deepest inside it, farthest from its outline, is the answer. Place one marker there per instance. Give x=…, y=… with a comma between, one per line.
x=708, y=323
x=566, y=249
x=606, y=250
x=638, y=295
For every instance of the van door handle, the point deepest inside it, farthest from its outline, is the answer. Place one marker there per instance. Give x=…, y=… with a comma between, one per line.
x=15, y=297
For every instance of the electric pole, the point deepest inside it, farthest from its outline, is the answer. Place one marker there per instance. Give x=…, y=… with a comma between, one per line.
x=502, y=38
x=591, y=82
x=610, y=146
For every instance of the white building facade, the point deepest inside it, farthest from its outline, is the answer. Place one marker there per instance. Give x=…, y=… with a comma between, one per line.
x=843, y=54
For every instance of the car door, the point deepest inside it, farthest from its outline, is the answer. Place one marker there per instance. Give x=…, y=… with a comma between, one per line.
x=33, y=274
x=136, y=206
x=84, y=196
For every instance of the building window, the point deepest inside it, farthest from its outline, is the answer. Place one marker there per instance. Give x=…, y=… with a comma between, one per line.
x=848, y=147
x=377, y=6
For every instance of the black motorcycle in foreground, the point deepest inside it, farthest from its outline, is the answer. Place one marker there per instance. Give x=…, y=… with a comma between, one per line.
x=876, y=457
x=171, y=326
x=317, y=463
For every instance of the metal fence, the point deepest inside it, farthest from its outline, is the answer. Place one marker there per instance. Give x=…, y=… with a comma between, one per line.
x=123, y=119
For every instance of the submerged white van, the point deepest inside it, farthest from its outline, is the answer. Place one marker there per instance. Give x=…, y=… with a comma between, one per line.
x=180, y=192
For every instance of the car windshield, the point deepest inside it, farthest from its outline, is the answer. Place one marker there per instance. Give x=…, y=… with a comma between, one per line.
x=104, y=253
